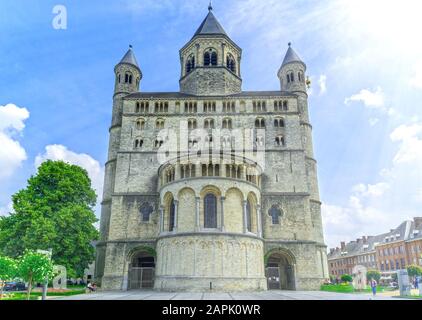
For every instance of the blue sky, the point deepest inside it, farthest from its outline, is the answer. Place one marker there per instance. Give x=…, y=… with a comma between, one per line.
x=363, y=57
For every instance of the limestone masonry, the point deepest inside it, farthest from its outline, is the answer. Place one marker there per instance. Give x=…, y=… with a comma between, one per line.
x=212, y=187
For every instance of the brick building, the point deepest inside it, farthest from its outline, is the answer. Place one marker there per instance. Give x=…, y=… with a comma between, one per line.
x=386, y=252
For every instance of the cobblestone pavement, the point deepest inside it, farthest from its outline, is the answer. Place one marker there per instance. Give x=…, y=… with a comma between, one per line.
x=267, y=295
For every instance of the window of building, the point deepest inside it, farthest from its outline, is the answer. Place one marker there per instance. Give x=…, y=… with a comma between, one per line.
x=139, y=143
x=260, y=123
x=161, y=107
x=172, y=215
x=231, y=63
x=280, y=141
x=192, y=124
x=210, y=107
x=140, y=124
x=210, y=58
x=279, y=123
x=275, y=214
x=209, y=124
x=249, y=216
x=146, y=210
x=227, y=124
x=158, y=143
x=229, y=107
x=191, y=107
x=259, y=106
x=159, y=124
x=190, y=64
x=210, y=211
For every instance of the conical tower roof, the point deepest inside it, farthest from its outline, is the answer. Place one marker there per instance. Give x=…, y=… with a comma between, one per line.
x=130, y=58
x=291, y=56
x=210, y=25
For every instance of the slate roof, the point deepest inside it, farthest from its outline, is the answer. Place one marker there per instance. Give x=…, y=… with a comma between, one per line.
x=180, y=95
x=210, y=26
x=291, y=56
x=130, y=58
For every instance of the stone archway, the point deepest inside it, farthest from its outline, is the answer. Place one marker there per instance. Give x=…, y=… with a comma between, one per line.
x=280, y=270
x=141, y=271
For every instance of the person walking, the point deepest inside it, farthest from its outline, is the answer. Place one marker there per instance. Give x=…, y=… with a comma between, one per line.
x=374, y=287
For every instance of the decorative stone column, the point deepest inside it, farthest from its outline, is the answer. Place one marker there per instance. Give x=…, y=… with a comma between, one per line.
x=197, y=62
x=245, y=218
x=176, y=213
x=161, y=219
x=222, y=214
x=197, y=207
x=258, y=220
x=223, y=47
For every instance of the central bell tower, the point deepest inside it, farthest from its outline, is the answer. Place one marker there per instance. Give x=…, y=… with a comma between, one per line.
x=210, y=61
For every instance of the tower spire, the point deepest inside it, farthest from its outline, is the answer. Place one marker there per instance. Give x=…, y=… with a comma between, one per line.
x=210, y=6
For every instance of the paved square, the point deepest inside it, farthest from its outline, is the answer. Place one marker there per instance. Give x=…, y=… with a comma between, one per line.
x=225, y=296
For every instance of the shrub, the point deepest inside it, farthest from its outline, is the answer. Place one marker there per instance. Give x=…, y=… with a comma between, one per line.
x=346, y=278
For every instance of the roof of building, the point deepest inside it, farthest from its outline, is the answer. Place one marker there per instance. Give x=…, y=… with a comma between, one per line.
x=407, y=230
x=130, y=58
x=291, y=56
x=180, y=95
x=210, y=25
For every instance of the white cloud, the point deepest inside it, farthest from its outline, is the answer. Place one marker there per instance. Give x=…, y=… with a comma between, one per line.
x=371, y=99
x=4, y=211
x=416, y=79
x=322, y=84
x=12, y=154
x=397, y=196
x=92, y=166
x=373, y=121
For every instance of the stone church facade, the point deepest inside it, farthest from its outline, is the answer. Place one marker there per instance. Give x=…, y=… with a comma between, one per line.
x=211, y=187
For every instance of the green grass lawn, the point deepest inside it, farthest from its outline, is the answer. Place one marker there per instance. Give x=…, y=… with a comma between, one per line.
x=36, y=295
x=347, y=288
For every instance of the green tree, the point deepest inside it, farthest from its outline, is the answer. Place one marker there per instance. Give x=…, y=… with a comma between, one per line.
x=373, y=274
x=414, y=271
x=55, y=211
x=346, y=278
x=34, y=267
x=7, y=271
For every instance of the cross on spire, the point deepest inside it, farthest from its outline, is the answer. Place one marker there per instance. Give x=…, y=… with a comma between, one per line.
x=210, y=6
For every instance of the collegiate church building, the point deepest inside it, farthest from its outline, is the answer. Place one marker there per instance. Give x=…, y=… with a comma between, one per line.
x=211, y=187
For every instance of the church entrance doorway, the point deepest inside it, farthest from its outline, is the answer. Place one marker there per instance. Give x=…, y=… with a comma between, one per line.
x=280, y=272
x=141, y=272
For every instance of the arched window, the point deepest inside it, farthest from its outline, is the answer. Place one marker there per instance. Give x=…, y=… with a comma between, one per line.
x=280, y=141
x=275, y=214
x=139, y=143
x=190, y=64
x=119, y=77
x=171, y=215
x=227, y=124
x=285, y=106
x=140, y=124
x=259, y=123
x=210, y=211
x=249, y=216
x=137, y=107
x=231, y=64
x=209, y=124
x=279, y=123
x=159, y=124
x=210, y=58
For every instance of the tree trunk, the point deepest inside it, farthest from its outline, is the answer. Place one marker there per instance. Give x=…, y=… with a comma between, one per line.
x=2, y=287
x=29, y=287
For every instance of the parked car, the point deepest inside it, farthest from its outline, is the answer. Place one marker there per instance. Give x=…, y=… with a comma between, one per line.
x=14, y=286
